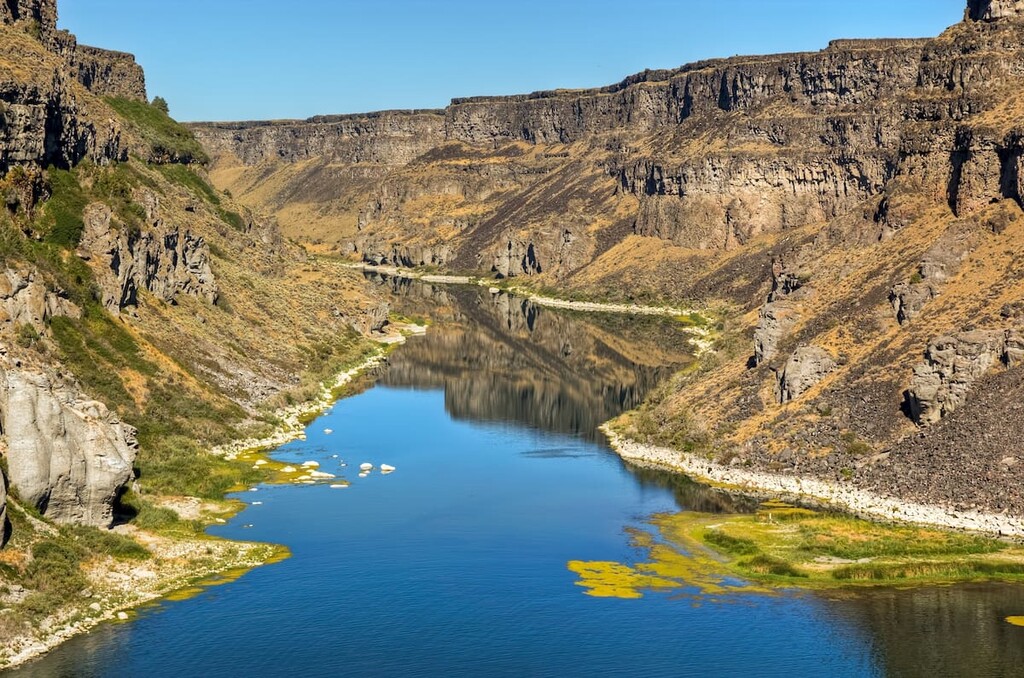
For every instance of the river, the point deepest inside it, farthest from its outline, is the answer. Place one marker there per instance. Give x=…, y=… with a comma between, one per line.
x=456, y=563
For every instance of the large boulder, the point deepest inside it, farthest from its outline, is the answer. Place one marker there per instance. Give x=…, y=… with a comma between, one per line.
x=67, y=456
x=805, y=368
x=952, y=365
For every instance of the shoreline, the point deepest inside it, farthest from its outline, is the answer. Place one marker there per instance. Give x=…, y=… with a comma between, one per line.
x=291, y=428
x=860, y=503
x=539, y=299
x=702, y=337
x=74, y=625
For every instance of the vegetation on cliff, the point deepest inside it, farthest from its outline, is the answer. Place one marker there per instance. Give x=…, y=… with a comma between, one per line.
x=128, y=283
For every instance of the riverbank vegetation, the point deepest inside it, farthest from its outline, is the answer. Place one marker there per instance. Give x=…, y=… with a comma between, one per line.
x=782, y=546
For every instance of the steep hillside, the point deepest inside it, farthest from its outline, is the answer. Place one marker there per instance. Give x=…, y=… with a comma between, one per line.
x=144, y=318
x=855, y=213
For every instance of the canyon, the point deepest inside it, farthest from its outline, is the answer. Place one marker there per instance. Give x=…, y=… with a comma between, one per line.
x=847, y=222
x=852, y=215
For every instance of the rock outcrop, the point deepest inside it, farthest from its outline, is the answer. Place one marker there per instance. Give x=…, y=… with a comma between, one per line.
x=803, y=371
x=953, y=364
x=370, y=319
x=4, y=524
x=26, y=301
x=993, y=10
x=110, y=74
x=67, y=456
x=162, y=259
x=780, y=312
x=43, y=13
x=43, y=119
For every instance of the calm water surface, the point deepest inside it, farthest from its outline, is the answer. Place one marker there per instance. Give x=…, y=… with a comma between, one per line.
x=455, y=565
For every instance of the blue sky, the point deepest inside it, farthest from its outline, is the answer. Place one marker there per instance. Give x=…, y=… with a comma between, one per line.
x=261, y=59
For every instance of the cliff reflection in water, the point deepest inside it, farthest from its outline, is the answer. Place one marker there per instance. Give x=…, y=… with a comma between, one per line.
x=941, y=631
x=504, y=358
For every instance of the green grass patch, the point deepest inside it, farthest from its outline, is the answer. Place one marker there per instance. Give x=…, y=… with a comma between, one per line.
x=62, y=213
x=768, y=565
x=806, y=549
x=726, y=543
x=190, y=179
x=169, y=140
x=851, y=539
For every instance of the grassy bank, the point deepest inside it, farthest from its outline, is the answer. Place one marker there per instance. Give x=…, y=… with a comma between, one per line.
x=783, y=546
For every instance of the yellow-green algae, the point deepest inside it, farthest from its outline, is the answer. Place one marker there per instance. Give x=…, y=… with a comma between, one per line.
x=785, y=546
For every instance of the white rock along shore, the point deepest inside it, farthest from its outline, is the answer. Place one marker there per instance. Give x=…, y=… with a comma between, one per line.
x=812, y=490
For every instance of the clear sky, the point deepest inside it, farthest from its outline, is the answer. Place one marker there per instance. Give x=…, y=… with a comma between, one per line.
x=261, y=59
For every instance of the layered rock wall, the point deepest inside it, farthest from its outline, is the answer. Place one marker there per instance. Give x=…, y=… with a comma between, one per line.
x=387, y=138
x=110, y=74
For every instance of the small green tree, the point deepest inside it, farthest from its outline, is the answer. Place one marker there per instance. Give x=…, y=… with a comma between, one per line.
x=160, y=104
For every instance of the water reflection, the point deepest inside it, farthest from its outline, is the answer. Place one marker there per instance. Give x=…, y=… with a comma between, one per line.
x=503, y=358
x=941, y=631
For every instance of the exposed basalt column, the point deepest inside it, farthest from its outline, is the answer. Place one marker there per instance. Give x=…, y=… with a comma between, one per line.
x=110, y=74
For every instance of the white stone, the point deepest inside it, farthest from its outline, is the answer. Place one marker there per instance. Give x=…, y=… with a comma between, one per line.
x=366, y=466
x=387, y=468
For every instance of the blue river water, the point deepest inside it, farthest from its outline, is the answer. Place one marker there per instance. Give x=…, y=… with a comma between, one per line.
x=455, y=564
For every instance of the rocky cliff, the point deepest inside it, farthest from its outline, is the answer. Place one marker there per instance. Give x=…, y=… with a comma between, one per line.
x=164, y=259
x=133, y=291
x=856, y=213
x=708, y=156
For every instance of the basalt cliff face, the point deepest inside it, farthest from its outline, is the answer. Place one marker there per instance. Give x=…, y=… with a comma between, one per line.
x=143, y=315
x=855, y=211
